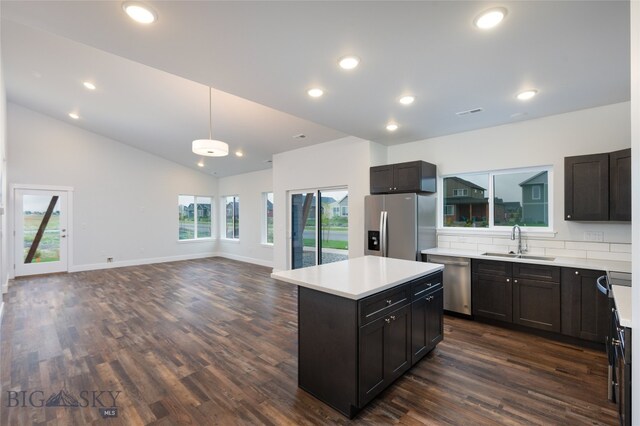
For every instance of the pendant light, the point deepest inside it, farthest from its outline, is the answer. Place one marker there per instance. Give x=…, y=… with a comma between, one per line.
x=210, y=147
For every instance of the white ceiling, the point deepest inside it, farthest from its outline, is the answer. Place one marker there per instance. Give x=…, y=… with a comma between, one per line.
x=263, y=56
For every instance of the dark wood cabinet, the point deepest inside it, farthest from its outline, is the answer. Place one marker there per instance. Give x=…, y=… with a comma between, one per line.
x=584, y=309
x=586, y=187
x=351, y=350
x=491, y=290
x=620, y=185
x=426, y=323
x=385, y=352
x=413, y=176
x=519, y=293
x=597, y=187
x=536, y=304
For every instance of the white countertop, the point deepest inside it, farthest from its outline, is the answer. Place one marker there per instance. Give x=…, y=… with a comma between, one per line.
x=622, y=296
x=570, y=262
x=359, y=277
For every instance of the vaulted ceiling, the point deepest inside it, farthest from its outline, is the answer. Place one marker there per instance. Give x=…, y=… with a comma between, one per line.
x=261, y=57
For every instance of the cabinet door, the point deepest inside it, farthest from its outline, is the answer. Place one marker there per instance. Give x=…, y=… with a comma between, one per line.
x=419, y=331
x=586, y=187
x=491, y=297
x=397, y=343
x=385, y=352
x=426, y=324
x=407, y=177
x=585, y=311
x=536, y=304
x=381, y=179
x=435, y=324
x=371, y=377
x=620, y=185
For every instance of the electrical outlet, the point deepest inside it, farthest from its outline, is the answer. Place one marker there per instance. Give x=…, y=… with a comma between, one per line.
x=595, y=236
x=109, y=259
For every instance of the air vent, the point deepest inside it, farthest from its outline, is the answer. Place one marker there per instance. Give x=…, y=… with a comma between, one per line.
x=469, y=111
x=300, y=136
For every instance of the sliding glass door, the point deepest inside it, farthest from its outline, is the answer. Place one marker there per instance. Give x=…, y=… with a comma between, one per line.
x=319, y=226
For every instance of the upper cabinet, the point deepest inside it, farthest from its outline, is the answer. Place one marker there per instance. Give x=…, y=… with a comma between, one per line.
x=620, y=185
x=598, y=187
x=414, y=176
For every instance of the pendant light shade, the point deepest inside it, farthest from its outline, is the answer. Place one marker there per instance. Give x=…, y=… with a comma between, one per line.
x=210, y=147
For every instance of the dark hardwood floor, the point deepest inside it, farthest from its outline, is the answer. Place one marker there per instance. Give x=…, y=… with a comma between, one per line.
x=214, y=341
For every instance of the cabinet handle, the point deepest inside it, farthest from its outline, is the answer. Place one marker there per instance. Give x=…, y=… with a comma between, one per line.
x=568, y=216
x=577, y=273
x=393, y=317
x=390, y=189
x=515, y=281
x=387, y=320
x=388, y=301
x=508, y=280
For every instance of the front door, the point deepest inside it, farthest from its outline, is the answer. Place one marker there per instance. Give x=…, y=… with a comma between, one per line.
x=40, y=231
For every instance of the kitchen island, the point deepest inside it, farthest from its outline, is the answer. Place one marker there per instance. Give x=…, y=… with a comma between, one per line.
x=362, y=323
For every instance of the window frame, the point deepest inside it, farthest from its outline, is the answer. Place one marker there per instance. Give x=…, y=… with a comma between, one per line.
x=223, y=205
x=492, y=228
x=195, y=218
x=265, y=225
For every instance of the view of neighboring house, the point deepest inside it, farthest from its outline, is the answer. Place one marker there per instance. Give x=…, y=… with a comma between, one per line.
x=535, y=198
x=464, y=202
x=339, y=208
x=186, y=212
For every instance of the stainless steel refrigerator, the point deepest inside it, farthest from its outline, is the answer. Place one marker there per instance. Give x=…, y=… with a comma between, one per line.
x=399, y=225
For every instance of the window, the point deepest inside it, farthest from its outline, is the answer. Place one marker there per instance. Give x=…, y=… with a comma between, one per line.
x=345, y=210
x=497, y=199
x=267, y=235
x=535, y=192
x=194, y=217
x=232, y=217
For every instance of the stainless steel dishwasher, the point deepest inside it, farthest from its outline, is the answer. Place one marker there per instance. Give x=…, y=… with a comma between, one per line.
x=456, y=282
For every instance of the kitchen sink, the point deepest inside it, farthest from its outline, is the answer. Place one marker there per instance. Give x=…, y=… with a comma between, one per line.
x=511, y=255
x=532, y=257
x=520, y=256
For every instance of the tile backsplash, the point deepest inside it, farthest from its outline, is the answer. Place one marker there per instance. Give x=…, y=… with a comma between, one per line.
x=539, y=246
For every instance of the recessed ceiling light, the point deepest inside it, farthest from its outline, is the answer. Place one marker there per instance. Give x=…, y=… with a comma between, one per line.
x=74, y=115
x=392, y=127
x=349, y=62
x=490, y=18
x=527, y=94
x=407, y=100
x=139, y=12
x=239, y=154
x=89, y=85
x=200, y=164
x=315, y=92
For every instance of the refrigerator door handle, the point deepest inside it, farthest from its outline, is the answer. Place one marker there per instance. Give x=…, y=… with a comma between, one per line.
x=383, y=234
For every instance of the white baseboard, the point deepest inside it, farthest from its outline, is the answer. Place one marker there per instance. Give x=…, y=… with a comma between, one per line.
x=137, y=262
x=5, y=285
x=1, y=311
x=260, y=262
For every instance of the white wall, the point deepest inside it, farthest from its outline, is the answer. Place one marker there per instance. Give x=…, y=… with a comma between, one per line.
x=544, y=141
x=249, y=187
x=343, y=162
x=635, y=152
x=125, y=200
x=3, y=188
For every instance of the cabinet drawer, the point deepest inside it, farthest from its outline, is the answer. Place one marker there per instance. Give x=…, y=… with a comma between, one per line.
x=536, y=272
x=424, y=286
x=491, y=267
x=378, y=305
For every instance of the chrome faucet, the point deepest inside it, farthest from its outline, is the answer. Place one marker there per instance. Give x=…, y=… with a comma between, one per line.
x=513, y=237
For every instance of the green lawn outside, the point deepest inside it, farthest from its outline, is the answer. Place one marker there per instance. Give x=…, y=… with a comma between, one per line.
x=333, y=244
x=49, y=247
